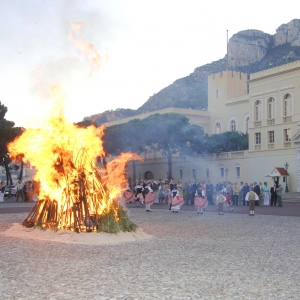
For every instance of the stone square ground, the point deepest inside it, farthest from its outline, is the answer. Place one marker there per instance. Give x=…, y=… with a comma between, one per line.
x=190, y=256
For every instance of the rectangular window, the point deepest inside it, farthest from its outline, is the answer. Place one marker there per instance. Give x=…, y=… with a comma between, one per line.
x=287, y=135
x=237, y=171
x=180, y=173
x=257, y=138
x=222, y=172
x=207, y=173
x=271, y=137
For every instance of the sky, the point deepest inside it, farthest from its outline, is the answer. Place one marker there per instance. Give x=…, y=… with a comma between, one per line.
x=140, y=46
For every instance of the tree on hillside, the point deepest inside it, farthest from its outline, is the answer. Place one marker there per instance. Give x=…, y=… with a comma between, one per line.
x=7, y=134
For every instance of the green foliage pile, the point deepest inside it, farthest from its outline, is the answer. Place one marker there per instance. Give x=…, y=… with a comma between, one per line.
x=108, y=222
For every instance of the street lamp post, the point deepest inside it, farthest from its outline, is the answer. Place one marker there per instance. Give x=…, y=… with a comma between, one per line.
x=226, y=173
x=286, y=179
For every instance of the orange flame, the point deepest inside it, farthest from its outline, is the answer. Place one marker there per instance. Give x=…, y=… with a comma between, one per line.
x=86, y=48
x=61, y=152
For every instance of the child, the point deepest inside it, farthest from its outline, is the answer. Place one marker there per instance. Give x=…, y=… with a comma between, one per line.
x=139, y=193
x=220, y=201
x=200, y=200
x=150, y=196
x=228, y=201
x=176, y=201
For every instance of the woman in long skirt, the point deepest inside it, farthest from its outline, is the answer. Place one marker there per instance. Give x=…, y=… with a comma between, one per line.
x=200, y=201
x=266, y=194
x=176, y=201
x=150, y=196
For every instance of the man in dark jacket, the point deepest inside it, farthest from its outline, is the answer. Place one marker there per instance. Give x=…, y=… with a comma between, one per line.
x=257, y=192
x=273, y=195
x=246, y=190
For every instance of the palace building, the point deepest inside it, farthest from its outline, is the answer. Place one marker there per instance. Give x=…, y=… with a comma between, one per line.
x=266, y=105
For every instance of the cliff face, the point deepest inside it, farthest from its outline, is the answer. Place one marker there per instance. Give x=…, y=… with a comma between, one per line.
x=288, y=33
x=249, y=51
x=247, y=47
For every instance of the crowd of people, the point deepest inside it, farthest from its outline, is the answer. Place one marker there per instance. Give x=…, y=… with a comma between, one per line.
x=201, y=194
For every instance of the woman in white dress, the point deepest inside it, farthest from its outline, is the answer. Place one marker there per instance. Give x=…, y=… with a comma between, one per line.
x=266, y=194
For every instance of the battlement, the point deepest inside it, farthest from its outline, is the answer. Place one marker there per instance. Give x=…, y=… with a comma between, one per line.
x=238, y=99
x=276, y=70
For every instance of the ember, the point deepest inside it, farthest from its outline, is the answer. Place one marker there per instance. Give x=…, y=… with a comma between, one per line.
x=74, y=194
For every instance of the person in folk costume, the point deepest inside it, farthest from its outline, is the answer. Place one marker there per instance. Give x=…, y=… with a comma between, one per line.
x=150, y=196
x=176, y=200
x=139, y=193
x=127, y=195
x=200, y=200
x=251, y=197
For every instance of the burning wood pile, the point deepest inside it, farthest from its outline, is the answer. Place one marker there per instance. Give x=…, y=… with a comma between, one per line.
x=74, y=194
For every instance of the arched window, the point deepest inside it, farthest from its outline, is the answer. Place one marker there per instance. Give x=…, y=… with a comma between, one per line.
x=232, y=125
x=271, y=108
x=257, y=110
x=218, y=128
x=247, y=124
x=287, y=105
x=148, y=175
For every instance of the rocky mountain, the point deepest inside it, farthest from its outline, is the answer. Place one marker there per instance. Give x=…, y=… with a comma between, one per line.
x=249, y=51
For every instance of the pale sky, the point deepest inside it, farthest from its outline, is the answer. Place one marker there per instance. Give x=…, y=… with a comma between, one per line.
x=149, y=45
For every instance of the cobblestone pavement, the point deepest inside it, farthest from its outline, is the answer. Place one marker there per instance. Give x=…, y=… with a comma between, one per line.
x=190, y=256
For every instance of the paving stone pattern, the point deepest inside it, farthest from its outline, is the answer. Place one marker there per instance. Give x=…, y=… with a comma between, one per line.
x=190, y=256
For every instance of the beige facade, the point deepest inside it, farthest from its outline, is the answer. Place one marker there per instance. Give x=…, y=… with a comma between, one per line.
x=266, y=105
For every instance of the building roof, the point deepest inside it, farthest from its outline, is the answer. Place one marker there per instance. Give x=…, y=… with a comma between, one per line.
x=278, y=172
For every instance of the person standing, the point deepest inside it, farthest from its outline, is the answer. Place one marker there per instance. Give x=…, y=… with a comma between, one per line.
x=279, y=194
x=246, y=190
x=209, y=192
x=251, y=197
x=256, y=190
x=261, y=200
x=220, y=202
x=2, y=191
x=150, y=196
x=235, y=193
x=266, y=194
x=273, y=195
x=20, y=190
x=190, y=195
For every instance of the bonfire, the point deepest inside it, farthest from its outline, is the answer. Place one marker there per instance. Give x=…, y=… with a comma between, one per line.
x=74, y=194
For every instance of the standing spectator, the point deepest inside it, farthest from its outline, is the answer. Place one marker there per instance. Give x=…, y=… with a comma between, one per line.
x=261, y=200
x=246, y=189
x=2, y=191
x=209, y=192
x=220, y=202
x=266, y=194
x=273, y=195
x=20, y=190
x=241, y=192
x=190, y=190
x=196, y=186
x=256, y=190
x=279, y=194
x=251, y=197
x=180, y=188
x=229, y=188
x=219, y=187
x=235, y=193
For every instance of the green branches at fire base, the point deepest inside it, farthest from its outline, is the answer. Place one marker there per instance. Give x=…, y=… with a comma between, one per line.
x=115, y=221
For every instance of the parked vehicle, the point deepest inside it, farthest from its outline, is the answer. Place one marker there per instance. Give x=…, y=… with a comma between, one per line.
x=13, y=190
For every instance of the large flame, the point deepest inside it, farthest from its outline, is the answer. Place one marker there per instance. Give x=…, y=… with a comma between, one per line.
x=64, y=155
